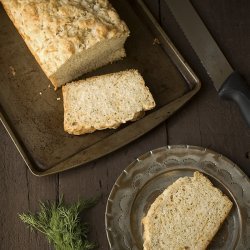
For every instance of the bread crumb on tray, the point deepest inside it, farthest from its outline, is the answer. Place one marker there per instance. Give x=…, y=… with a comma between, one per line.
x=12, y=70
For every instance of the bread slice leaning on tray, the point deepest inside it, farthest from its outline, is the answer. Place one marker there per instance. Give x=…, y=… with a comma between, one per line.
x=69, y=38
x=105, y=101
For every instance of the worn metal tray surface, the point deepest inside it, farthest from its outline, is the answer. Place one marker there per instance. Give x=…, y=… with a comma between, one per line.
x=143, y=180
x=32, y=112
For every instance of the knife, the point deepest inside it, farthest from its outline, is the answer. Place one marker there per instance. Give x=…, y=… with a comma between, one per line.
x=229, y=84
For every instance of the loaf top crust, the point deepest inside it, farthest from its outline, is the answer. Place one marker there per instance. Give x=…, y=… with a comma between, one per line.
x=54, y=30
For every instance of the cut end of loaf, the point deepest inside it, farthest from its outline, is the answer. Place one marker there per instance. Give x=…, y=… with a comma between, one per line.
x=100, y=55
x=187, y=215
x=105, y=101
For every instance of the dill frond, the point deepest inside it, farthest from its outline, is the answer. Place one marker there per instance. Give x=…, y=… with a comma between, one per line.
x=61, y=224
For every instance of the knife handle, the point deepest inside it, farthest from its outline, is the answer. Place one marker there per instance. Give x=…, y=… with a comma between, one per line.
x=237, y=89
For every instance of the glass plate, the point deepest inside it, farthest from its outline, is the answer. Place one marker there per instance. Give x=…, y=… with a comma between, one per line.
x=144, y=179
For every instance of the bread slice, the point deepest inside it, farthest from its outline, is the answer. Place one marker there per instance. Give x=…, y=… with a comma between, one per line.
x=69, y=38
x=105, y=101
x=186, y=215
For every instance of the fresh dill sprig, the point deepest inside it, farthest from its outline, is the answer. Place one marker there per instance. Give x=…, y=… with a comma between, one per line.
x=61, y=224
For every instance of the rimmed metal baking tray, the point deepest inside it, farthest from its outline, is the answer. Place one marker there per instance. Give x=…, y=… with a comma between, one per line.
x=32, y=112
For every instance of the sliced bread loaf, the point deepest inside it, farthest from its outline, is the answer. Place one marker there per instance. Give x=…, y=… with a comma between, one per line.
x=186, y=215
x=105, y=101
x=69, y=38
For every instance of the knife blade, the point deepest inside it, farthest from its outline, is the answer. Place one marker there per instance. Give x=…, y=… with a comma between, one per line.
x=229, y=83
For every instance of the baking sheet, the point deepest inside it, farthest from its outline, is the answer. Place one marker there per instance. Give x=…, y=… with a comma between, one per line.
x=32, y=112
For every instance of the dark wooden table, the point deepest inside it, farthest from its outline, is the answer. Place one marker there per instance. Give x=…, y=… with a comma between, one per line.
x=206, y=121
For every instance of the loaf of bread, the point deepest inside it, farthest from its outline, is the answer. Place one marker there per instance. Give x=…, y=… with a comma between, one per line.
x=186, y=215
x=69, y=38
x=105, y=101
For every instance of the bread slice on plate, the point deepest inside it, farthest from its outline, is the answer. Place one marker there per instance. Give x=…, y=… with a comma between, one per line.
x=69, y=38
x=105, y=101
x=187, y=215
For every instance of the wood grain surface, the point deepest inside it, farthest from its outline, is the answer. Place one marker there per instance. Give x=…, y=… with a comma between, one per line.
x=206, y=121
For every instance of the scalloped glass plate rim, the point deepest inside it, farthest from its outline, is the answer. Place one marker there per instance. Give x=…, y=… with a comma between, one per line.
x=146, y=177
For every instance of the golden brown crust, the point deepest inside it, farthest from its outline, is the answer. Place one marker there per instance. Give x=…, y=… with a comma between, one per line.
x=22, y=35
x=56, y=30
